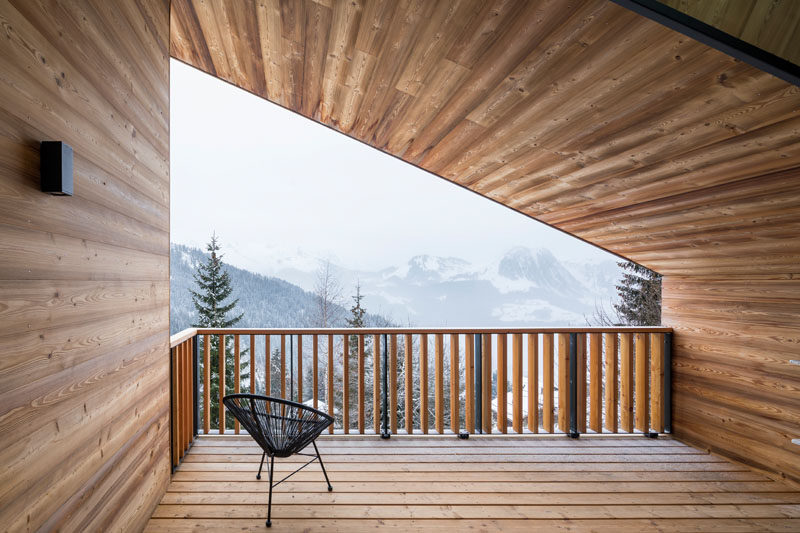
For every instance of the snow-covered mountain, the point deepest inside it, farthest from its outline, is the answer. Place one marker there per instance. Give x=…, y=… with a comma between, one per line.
x=524, y=287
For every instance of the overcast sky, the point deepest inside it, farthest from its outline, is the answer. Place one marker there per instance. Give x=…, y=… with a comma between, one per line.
x=271, y=182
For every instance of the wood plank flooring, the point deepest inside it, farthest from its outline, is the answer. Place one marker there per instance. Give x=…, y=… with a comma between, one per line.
x=482, y=484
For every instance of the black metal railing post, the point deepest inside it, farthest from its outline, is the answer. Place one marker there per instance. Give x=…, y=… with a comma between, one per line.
x=478, y=383
x=196, y=384
x=385, y=433
x=668, y=383
x=573, y=386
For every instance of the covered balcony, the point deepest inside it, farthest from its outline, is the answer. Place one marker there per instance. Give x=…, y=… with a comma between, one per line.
x=663, y=132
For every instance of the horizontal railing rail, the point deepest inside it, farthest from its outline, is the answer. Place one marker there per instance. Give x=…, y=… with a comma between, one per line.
x=562, y=380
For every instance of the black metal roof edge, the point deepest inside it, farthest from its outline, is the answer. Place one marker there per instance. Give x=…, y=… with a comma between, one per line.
x=715, y=38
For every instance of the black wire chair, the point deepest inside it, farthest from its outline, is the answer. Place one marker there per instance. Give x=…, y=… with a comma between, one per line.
x=282, y=428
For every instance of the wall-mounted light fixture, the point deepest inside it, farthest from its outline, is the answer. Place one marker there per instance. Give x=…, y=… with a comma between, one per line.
x=56, y=168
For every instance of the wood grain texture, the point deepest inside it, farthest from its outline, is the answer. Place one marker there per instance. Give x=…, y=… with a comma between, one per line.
x=443, y=484
x=84, y=280
x=772, y=25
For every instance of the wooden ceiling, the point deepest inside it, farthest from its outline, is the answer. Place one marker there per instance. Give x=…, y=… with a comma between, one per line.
x=583, y=115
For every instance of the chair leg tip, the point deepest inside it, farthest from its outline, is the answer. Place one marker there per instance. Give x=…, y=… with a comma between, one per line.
x=269, y=523
x=258, y=476
x=330, y=489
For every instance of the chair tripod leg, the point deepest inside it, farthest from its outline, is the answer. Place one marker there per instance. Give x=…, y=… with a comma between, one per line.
x=258, y=476
x=323, y=467
x=269, y=505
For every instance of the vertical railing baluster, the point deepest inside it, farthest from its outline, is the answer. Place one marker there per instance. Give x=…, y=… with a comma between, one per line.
x=502, y=383
x=237, y=377
x=179, y=373
x=479, y=382
x=486, y=383
x=252, y=364
x=173, y=404
x=641, y=386
x=196, y=385
x=315, y=370
x=595, y=383
x=626, y=382
x=573, y=386
x=611, y=387
x=581, y=382
x=267, y=366
x=438, y=381
x=300, y=368
x=668, y=339
x=206, y=384
x=331, y=410
x=548, y=382
x=385, y=432
x=346, y=384
x=408, y=372
x=533, y=382
x=291, y=367
x=361, y=392
x=516, y=382
x=221, y=377
x=376, y=382
x=563, y=382
x=423, y=382
x=657, y=381
x=392, y=371
x=283, y=366
x=469, y=383
x=455, y=417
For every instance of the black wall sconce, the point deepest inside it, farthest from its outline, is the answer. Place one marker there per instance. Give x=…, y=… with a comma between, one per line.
x=56, y=168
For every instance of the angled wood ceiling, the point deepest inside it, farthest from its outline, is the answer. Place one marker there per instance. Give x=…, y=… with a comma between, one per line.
x=583, y=115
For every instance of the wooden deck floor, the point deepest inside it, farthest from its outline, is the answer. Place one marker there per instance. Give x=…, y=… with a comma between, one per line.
x=480, y=484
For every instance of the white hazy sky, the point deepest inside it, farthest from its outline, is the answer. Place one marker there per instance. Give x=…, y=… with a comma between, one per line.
x=269, y=181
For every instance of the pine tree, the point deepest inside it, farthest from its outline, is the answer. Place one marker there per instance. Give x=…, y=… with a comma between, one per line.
x=357, y=320
x=214, y=286
x=639, y=296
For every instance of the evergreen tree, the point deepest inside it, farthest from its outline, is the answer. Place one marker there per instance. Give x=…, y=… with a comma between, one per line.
x=639, y=296
x=214, y=286
x=357, y=319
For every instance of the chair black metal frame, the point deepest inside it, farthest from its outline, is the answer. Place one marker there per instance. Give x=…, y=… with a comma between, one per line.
x=282, y=428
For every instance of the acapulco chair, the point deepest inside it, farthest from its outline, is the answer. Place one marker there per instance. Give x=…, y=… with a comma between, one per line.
x=282, y=428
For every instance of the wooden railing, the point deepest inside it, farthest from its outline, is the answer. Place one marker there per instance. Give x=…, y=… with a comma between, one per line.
x=601, y=380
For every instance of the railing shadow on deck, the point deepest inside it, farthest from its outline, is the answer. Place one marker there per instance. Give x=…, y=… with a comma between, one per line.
x=606, y=380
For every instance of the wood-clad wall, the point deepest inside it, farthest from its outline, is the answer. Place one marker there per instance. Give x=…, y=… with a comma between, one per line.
x=84, y=280
x=772, y=25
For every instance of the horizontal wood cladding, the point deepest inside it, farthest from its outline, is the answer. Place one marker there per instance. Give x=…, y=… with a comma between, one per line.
x=84, y=280
x=772, y=25
x=588, y=116
x=735, y=390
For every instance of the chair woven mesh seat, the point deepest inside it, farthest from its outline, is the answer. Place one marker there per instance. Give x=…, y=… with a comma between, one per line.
x=282, y=428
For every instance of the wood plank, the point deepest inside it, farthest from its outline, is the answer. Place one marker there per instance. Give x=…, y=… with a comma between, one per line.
x=346, y=384
x=516, y=382
x=283, y=366
x=595, y=383
x=642, y=388
x=438, y=380
x=315, y=371
x=361, y=391
x=502, y=383
x=393, y=384
x=626, y=382
x=377, y=378
x=408, y=371
x=454, y=386
x=547, y=383
x=237, y=378
x=331, y=410
x=207, y=383
x=300, y=368
x=423, y=382
x=657, y=382
x=221, y=384
x=469, y=383
x=267, y=365
x=252, y=367
x=563, y=382
x=611, y=382
x=486, y=382
x=533, y=382
x=581, y=385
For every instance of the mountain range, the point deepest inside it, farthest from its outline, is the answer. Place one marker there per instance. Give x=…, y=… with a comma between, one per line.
x=524, y=287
